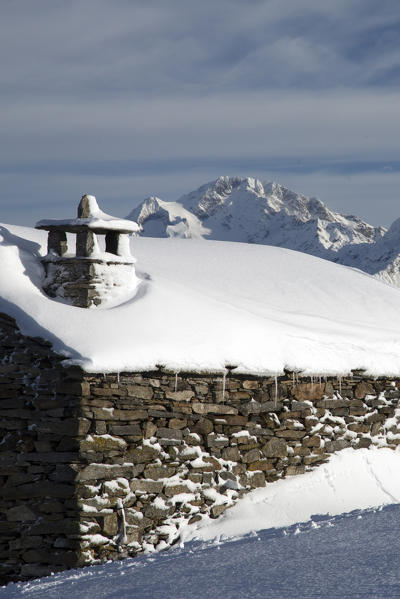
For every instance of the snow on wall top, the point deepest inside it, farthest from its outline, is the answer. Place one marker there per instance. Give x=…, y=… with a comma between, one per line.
x=201, y=306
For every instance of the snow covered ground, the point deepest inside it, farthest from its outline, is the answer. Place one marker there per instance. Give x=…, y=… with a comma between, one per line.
x=203, y=305
x=325, y=534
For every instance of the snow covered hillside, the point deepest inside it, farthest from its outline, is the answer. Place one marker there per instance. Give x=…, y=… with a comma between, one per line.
x=297, y=538
x=247, y=210
x=200, y=306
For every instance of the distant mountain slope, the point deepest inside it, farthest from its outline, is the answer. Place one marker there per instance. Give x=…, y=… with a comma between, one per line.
x=381, y=259
x=247, y=210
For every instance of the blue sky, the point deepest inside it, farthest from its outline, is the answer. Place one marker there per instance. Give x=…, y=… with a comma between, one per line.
x=127, y=98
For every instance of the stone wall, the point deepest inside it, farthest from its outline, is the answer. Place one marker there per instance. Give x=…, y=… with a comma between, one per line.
x=39, y=420
x=97, y=467
x=87, y=282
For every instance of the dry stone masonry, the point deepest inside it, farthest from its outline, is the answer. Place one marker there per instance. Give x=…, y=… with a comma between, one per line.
x=96, y=467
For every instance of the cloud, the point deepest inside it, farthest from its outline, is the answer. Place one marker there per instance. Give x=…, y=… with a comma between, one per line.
x=90, y=47
x=341, y=123
x=123, y=93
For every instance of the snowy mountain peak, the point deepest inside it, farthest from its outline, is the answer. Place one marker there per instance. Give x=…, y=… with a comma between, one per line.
x=247, y=210
x=393, y=233
x=157, y=218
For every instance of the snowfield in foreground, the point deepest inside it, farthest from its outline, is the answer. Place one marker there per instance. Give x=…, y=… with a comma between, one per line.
x=203, y=305
x=335, y=552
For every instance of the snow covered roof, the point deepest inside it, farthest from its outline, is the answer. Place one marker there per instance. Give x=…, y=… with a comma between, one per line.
x=201, y=305
x=95, y=219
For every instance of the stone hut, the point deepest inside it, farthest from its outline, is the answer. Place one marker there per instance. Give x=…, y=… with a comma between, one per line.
x=87, y=277
x=99, y=464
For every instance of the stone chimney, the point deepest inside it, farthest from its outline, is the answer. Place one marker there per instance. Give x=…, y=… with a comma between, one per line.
x=96, y=272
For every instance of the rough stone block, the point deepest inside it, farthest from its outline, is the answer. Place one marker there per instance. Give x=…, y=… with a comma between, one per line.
x=251, y=456
x=215, y=440
x=256, y=479
x=156, y=471
x=203, y=426
x=156, y=512
x=292, y=470
x=109, y=524
x=364, y=388
x=313, y=441
x=21, y=513
x=170, y=442
x=271, y=406
x=363, y=442
x=251, y=407
x=216, y=408
x=104, y=472
x=275, y=448
x=308, y=391
x=262, y=465
x=185, y=395
x=217, y=510
x=140, y=391
x=146, y=486
x=177, y=423
x=102, y=443
x=142, y=455
x=149, y=429
x=178, y=489
x=254, y=384
x=333, y=403
x=338, y=445
x=168, y=433
x=130, y=415
x=231, y=454
x=38, y=489
x=290, y=434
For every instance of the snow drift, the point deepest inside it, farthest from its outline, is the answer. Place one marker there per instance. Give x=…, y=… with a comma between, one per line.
x=200, y=306
x=351, y=480
x=347, y=556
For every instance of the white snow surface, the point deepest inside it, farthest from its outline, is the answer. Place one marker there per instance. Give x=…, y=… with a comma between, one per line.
x=351, y=480
x=201, y=306
x=353, y=555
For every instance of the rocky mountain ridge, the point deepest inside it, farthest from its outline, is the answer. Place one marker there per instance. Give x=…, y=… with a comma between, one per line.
x=247, y=210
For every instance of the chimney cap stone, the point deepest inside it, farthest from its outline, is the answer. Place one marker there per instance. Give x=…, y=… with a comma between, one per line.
x=90, y=217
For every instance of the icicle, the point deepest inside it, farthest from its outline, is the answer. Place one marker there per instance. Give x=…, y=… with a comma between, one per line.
x=118, y=378
x=293, y=381
x=223, y=385
x=276, y=389
x=340, y=385
x=320, y=382
x=312, y=382
x=176, y=382
x=122, y=539
x=297, y=378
